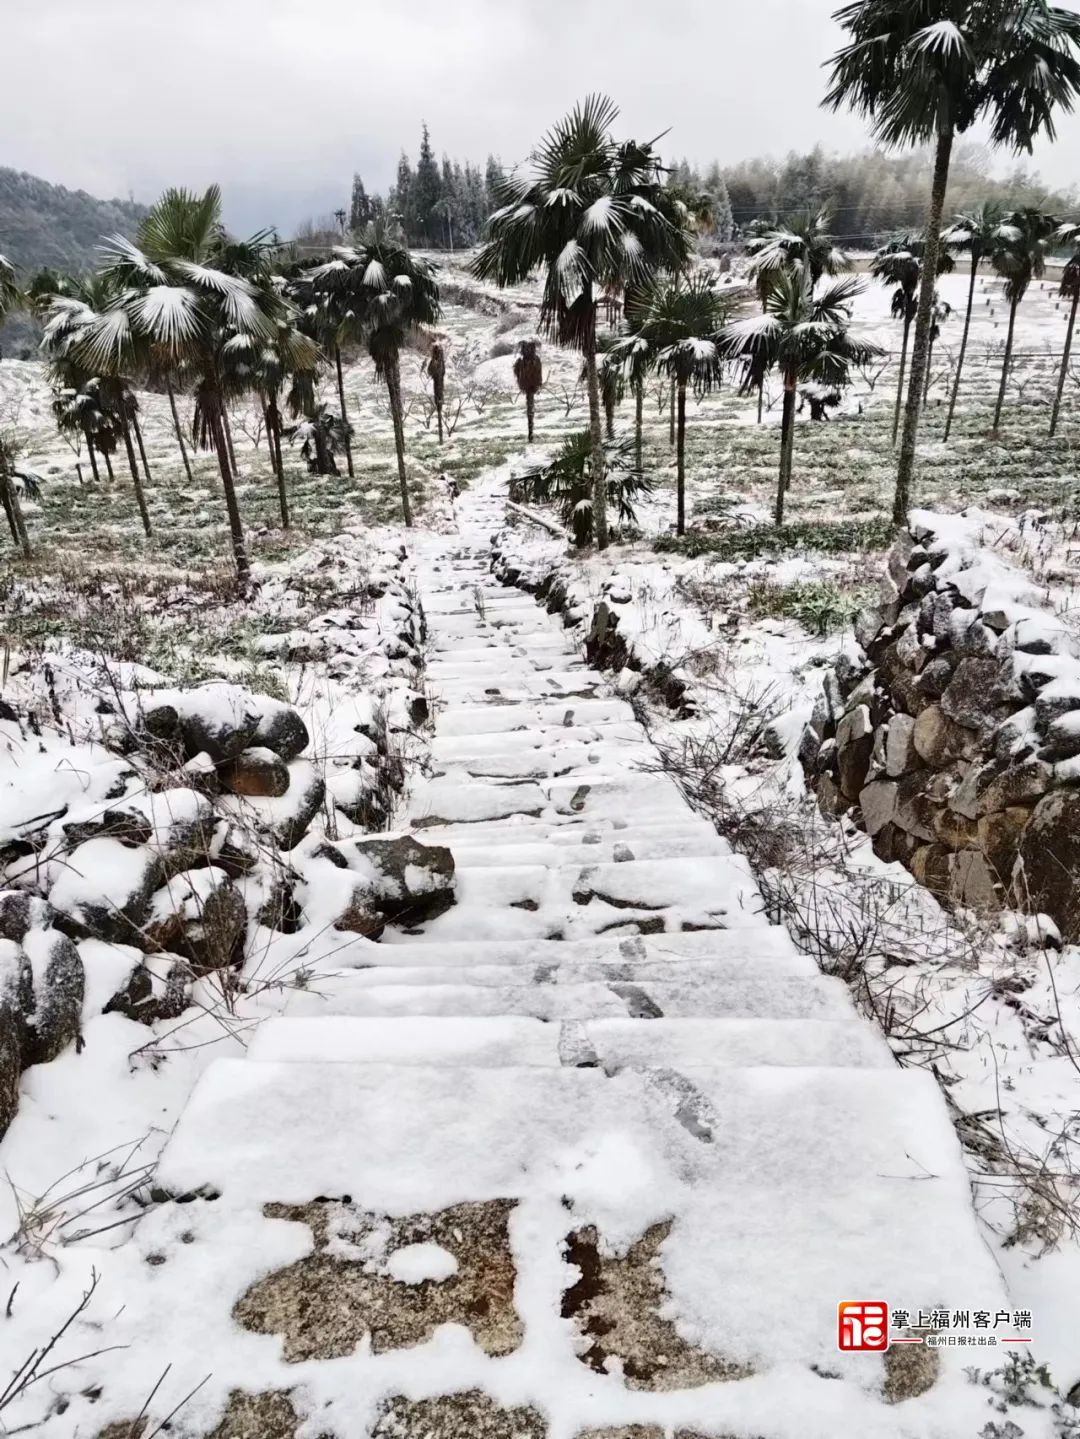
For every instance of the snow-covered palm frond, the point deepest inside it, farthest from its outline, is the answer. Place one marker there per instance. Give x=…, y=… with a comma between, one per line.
x=375, y=274
x=944, y=36
x=207, y=277
x=105, y=345
x=123, y=259
x=167, y=314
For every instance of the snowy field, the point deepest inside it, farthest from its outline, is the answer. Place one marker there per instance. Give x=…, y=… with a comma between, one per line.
x=101, y=614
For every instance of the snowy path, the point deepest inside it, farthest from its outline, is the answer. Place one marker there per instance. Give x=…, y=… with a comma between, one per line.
x=595, y=1152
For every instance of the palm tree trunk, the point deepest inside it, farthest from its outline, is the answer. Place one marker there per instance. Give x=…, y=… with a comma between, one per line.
x=142, y=448
x=900, y=384
x=1005, y=365
x=345, y=417
x=639, y=422
x=227, y=431
x=680, y=462
x=12, y=508
x=438, y=415
x=393, y=387
x=108, y=465
x=923, y=321
x=963, y=344
x=530, y=415
x=275, y=461
x=609, y=415
x=671, y=418
x=596, y=437
x=179, y=431
x=236, y=527
x=761, y=400
x=787, y=445
x=929, y=360
x=91, y=452
x=1064, y=364
x=275, y=430
x=140, y=498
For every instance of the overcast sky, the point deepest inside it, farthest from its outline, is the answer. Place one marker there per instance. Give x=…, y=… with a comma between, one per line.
x=280, y=100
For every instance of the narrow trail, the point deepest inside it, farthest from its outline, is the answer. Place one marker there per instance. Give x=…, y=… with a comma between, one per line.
x=595, y=1152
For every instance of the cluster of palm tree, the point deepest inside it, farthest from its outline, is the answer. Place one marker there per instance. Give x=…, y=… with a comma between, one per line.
x=185, y=308
x=925, y=71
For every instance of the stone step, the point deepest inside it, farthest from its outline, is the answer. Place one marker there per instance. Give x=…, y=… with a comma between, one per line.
x=491, y=851
x=525, y=685
x=574, y=831
x=611, y=1043
x=466, y=719
x=438, y=802
x=531, y=642
x=585, y=761
x=718, y=1212
x=625, y=734
x=749, y=952
x=710, y=891
x=766, y=998
x=502, y=668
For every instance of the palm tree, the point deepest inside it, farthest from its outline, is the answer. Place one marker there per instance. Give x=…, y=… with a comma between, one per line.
x=680, y=321
x=436, y=369
x=1024, y=240
x=592, y=213
x=925, y=71
x=71, y=313
x=529, y=374
x=807, y=337
x=178, y=296
x=388, y=295
x=612, y=386
x=973, y=233
x=798, y=241
x=566, y=481
x=900, y=264
x=10, y=294
x=938, y=317
x=1070, y=290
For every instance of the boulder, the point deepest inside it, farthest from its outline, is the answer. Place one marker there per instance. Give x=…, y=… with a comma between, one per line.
x=913, y=807
x=900, y=752
x=148, y=996
x=936, y=678
x=413, y=881
x=998, y=836
x=104, y=890
x=854, y=746
x=1019, y=784
x=201, y=915
x=930, y=864
x=59, y=985
x=256, y=771
x=281, y=729
x=307, y=790
x=939, y=740
x=216, y=718
x=128, y=824
x=877, y=803
x=973, y=883
x=21, y=911
x=12, y=986
x=972, y=696
x=1047, y=878
x=954, y=831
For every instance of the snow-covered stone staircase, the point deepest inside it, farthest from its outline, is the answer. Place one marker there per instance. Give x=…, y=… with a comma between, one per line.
x=596, y=1152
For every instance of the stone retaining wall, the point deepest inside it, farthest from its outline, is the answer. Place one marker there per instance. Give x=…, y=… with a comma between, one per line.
x=953, y=736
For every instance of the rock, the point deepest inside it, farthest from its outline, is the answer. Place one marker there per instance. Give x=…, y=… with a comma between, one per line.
x=1020, y=784
x=930, y=866
x=104, y=890
x=12, y=987
x=162, y=722
x=414, y=881
x=893, y=845
x=900, y=752
x=998, y=836
x=913, y=809
x=849, y=671
x=809, y=748
x=1062, y=740
x=216, y=718
x=939, y=740
x=256, y=771
x=19, y=912
x=281, y=729
x=1014, y=738
x=936, y=678
x=867, y=625
x=972, y=883
x=877, y=803
x=970, y=697
x=129, y=824
x=309, y=789
x=954, y=831
x=360, y=917
x=854, y=745
x=1047, y=878
x=971, y=639
x=900, y=681
x=830, y=801
x=58, y=988
x=146, y=996
x=910, y=650
x=1055, y=702
x=201, y=915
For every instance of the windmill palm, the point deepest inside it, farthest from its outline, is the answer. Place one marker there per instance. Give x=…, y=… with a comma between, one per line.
x=807, y=337
x=592, y=213
x=634, y=354
x=973, y=233
x=680, y=321
x=70, y=315
x=938, y=317
x=798, y=241
x=1024, y=240
x=385, y=295
x=529, y=374
x=1070, y=290
x=900, y=264
x=925, y=71
x=10, y=295
x=612, y=384
x=435, y=365
x=177, y=295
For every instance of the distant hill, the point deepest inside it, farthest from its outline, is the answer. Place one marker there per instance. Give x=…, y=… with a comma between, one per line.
x=43, y=224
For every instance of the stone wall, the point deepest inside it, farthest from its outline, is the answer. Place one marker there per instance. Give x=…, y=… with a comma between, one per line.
x=952, y=736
